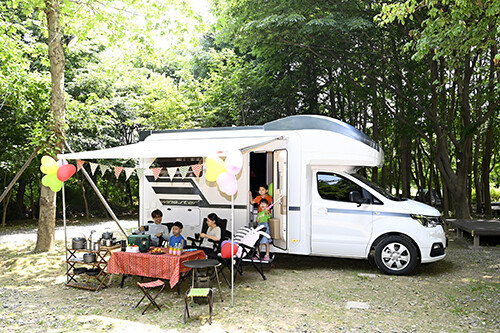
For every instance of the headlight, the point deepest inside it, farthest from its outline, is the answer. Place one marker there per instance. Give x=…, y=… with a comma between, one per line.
x=427, y=221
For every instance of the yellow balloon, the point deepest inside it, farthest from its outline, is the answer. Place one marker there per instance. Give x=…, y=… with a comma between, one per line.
x=48, y=166
x=215, y=166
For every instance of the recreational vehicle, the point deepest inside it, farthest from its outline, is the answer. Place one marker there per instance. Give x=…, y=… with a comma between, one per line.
x=322, y=207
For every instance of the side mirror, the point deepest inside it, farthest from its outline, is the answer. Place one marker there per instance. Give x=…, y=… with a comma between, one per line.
x=354, y=196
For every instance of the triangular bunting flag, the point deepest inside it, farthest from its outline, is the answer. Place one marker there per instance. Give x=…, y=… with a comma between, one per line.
x=171, y=172
x=103, y=168
x=197, y=169
x=79, y=164
x=184, y=170
x=140, y=172
x=156, y=172
x=118, y=170
x=128, y=172
x=93, y=167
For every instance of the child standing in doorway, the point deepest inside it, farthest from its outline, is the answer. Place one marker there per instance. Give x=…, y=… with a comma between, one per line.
x=263, y=219
x=262, y=195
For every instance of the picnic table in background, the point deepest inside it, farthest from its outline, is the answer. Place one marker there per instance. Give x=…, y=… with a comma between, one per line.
x=161, y=266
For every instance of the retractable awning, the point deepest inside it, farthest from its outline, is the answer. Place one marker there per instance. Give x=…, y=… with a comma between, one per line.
x=187, y=147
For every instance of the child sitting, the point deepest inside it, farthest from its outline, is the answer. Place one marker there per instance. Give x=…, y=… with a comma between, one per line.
x=263, y=218
x=176, y=235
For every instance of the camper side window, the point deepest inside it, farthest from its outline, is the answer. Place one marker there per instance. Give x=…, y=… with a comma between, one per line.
x=335, y=187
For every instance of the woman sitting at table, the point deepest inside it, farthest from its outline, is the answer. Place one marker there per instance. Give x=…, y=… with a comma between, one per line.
x=213, y=233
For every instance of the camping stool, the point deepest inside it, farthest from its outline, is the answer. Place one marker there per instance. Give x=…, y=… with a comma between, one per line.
x=199, y=292
x=146, y=287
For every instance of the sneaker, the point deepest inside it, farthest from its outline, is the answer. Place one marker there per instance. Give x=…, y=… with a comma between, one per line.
x=266, y=258
x=256, y=258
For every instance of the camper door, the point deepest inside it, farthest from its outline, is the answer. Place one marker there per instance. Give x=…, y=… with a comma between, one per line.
x=279, y=222
x=340, y=227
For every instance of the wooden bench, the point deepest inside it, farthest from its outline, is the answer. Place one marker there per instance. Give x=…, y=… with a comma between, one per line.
x=476, y=228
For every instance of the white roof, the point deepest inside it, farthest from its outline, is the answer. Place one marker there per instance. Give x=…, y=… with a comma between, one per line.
x=185, y=147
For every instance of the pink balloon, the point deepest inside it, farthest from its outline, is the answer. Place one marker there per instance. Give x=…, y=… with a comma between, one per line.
x=65, y=172
x=227, y=183
x=234, y=161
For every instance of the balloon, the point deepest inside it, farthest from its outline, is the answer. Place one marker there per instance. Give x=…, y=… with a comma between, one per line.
x=65, y=172
x=234, y=161
x=215, y=166
x=62, y=162
x=48, y=165
x=270, y=190
x=52, y=182
x=227, y=183
x=225, y=251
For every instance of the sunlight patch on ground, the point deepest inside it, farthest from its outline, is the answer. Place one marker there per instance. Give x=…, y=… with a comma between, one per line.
x=119, y=325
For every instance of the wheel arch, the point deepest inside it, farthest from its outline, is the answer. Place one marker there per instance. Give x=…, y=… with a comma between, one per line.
x=383, y=236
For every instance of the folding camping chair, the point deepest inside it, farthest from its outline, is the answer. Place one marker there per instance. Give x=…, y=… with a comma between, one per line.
x=225, y=234
x=146, y=287
x=247, y=239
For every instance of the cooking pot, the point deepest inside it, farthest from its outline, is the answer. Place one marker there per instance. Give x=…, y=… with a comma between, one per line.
x=89, y=258
x=107, y=235
x=108, y=242
x=78, y=243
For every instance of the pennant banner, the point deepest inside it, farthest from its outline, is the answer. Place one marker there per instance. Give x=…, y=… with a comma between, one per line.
x=140, y=172
x=79, y=164
x=118, y=170
x=128, y=172
x=196, y=169
x=93, y=167
x=156, y=172
x=184, y=170
x=171, y=172
x=103, y=169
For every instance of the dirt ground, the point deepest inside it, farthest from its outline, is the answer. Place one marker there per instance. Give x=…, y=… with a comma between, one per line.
x=301, y=294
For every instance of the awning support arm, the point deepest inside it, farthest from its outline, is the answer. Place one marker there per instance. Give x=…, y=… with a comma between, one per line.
x=99, y=195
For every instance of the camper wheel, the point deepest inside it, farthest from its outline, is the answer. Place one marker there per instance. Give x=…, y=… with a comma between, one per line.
x=396, y=255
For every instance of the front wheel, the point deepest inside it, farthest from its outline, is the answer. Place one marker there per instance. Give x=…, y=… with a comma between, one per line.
x=396, y=255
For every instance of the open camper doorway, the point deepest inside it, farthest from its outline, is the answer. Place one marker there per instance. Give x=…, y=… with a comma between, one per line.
x=271, y=168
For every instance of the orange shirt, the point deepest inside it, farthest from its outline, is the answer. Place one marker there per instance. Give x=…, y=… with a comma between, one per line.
x=267, y=197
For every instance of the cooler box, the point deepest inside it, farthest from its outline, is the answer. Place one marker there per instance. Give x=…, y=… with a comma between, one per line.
x=138, y=240
x=274, y=225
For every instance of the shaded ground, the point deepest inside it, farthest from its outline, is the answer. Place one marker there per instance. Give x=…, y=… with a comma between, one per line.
x=301, y=294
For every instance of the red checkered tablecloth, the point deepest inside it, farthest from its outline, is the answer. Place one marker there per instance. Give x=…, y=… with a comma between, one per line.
x=161, y=266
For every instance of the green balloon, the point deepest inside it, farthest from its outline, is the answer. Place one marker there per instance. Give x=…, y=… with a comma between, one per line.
x=270, y=190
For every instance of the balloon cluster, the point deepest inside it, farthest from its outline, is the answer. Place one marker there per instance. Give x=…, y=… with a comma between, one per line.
x=224, y=172
x=56, y=172
x=225, y=250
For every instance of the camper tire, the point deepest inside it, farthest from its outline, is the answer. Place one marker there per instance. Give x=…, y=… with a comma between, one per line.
x=396, y=255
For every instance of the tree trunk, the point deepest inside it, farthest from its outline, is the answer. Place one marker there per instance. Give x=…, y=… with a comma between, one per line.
x=47, y=219
x=477, y=176
x=488, y=144
x=405, y=166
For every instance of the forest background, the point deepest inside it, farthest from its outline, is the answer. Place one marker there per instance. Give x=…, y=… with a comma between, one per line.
x=420, y=77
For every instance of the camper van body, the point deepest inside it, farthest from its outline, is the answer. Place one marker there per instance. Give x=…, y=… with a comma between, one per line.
x=321, y=206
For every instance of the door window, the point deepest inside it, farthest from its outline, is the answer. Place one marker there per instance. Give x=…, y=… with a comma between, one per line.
x=335, y=187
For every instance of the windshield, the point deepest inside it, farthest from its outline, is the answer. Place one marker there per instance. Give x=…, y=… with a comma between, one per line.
x=378, y=188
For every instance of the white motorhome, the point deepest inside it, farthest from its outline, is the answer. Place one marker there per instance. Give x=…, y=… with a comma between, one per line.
x=322, y=207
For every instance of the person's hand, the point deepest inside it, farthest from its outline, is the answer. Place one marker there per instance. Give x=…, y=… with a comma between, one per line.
x=141, y=228
x=159, y=234
x=203, y=235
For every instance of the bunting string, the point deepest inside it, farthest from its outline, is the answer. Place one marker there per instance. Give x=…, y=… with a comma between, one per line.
x=140, y=172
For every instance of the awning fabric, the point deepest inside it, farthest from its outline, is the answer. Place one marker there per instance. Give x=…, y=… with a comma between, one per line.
x=193, y=147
